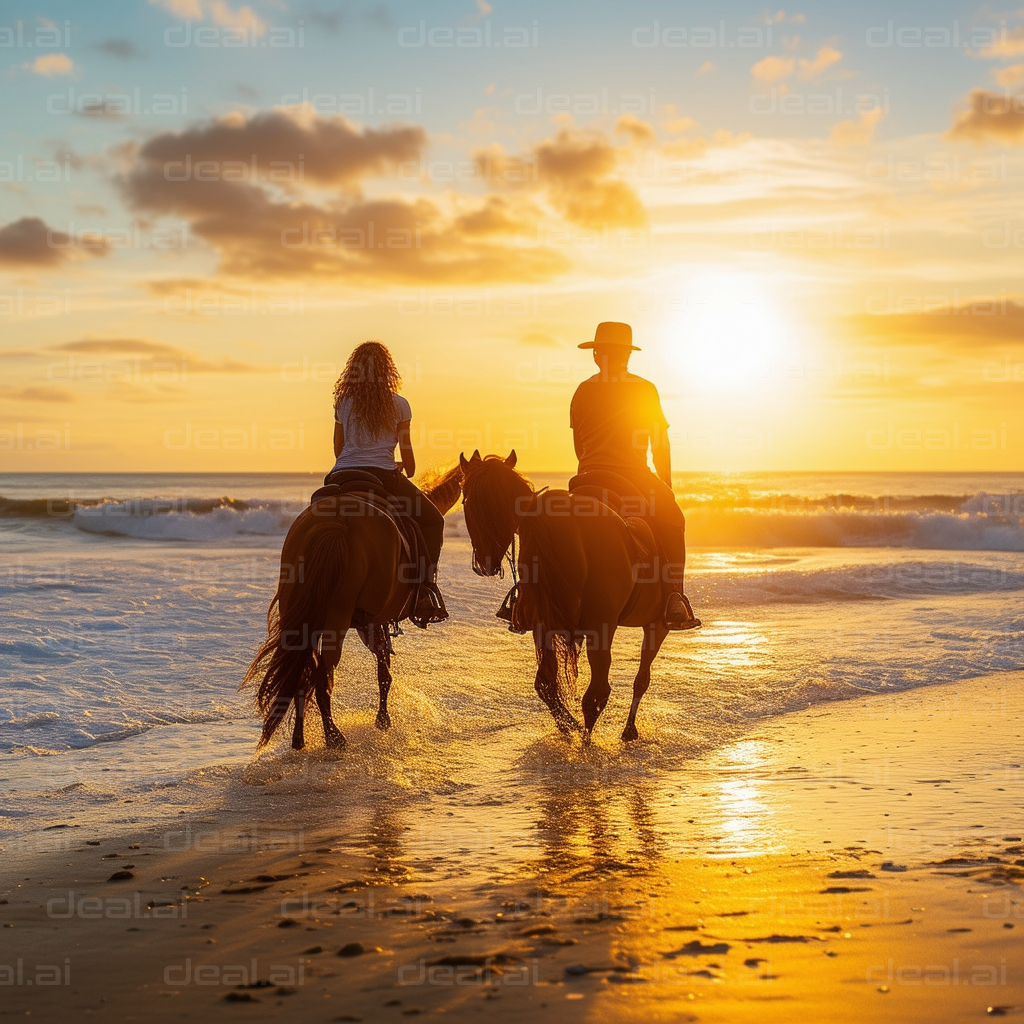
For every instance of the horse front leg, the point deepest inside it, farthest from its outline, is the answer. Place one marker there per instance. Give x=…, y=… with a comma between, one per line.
x=654, y=637
x=382, y=653
x=546, y=685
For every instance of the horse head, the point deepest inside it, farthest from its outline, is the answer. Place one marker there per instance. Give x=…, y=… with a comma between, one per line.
x=492, y=496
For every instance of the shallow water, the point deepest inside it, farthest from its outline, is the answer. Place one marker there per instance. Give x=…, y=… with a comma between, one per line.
x=123, y=650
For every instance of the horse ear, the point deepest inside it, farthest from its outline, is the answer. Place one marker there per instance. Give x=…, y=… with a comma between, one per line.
x=511, y=460
x=476, y=456
x=463, y=463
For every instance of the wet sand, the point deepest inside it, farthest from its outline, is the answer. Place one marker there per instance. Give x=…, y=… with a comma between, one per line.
x=859, y=860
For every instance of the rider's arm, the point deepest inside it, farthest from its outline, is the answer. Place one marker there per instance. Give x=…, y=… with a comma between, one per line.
x=577, y=446
x=661, y=452
x=405, y=448
x=339, y=438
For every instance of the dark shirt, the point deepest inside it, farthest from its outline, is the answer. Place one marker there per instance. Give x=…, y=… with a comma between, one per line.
x=613, y=422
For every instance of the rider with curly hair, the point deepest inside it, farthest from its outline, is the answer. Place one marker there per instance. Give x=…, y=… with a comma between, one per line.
x=371, y=420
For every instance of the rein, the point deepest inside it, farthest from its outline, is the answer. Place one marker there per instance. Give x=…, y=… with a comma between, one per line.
x=510, y=554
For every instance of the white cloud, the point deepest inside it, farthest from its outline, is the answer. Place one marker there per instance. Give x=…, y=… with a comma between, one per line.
x=1010, y=76
x=244, y=17
x=823, y=60
x=51, y=64
x=858, y=132
x=218, y=11
x=773, y=69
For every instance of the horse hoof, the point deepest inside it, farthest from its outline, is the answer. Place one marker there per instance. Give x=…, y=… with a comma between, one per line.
x=336, y=742
x=383, y=722
x=629, y=734
x=568, y=725
x=298, y=744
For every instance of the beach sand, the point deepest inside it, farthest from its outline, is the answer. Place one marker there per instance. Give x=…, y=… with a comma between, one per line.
x=861, y=860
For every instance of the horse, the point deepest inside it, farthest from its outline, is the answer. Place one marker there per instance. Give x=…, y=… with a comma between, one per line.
x=578, y=574
x=341, y=568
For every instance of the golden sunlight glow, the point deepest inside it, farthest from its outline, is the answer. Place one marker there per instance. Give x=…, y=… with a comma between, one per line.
x=726, y=333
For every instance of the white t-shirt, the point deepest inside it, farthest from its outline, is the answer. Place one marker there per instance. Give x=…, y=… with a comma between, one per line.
x=360, y=447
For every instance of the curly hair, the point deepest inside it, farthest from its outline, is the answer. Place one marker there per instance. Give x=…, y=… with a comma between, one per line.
x=371, y=380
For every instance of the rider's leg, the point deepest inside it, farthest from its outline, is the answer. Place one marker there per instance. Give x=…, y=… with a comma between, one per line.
x=431, y=522
x=669, y=526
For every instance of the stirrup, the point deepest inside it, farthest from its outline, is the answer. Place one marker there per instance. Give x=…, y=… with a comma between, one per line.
x=430, y=606
x=505, y=611
x=689, y=620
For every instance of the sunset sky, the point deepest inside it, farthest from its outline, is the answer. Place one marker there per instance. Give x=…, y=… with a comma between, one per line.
x=812, y=218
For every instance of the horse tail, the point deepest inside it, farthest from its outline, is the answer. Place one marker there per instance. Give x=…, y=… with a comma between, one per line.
x=286, y=662
x=553, y=567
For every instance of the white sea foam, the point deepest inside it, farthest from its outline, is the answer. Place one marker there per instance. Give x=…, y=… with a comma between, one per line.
x=120, y=664
x=128, y=519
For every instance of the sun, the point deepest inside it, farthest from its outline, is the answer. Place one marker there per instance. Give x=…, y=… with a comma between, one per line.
x=725, y=334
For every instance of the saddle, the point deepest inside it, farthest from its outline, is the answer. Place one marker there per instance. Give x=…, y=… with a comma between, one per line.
x=622, y=497
x=366, y=488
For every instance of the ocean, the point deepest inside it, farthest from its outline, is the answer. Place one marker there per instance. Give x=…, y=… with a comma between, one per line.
x=133, y=604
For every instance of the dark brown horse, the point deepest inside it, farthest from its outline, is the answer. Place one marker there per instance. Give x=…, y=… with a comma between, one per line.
x=341, y=568
x=581, y=576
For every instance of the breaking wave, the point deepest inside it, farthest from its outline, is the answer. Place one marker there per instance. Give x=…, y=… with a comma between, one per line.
x=979, y=522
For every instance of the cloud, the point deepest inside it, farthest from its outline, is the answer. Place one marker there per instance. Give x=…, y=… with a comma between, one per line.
x=858, y=132
x=122, y=49
x=707, y=68
x=244, y=17
x=183, y=9
x=101, y=110
x=1009, y=44
x=124, y=346
x=327, y=150
x=676, y=124
x=638, y=131
x=499, y=216
x=37, y=394
x=50, y=64
x=217, y=11
x=539, y=339
x=29, y=242
x=1009, y=77
x=976, y=324
x=990, y=116
x=773, y=69
x=574, y=170
x=694, y=147
x=322, y=225
x=823, y=60
x=157, y=351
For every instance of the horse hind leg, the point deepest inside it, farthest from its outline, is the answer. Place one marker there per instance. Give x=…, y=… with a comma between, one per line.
x=326, y=663
x=382, y=653
x=654, y=637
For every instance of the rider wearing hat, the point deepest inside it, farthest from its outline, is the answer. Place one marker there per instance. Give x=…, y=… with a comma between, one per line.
x=615, y=416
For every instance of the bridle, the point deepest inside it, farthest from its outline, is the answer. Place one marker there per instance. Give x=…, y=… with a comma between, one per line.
x=509, y=553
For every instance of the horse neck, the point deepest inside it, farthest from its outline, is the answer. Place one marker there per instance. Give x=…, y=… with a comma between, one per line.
x=444, y=492
x=512, y=491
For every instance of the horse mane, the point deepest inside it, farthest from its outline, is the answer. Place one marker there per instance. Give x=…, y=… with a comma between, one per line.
x=495, y=504
x=443, y=488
